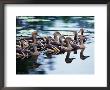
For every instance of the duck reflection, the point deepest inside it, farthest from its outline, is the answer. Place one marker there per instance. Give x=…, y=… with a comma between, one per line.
x=68, y=59
x=51, y=64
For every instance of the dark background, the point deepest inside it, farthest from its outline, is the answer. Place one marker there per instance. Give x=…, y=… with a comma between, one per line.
x=58, y=1
x=2, y=49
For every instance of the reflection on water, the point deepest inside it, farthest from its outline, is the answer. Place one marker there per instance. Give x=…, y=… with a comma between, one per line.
x=67, y=63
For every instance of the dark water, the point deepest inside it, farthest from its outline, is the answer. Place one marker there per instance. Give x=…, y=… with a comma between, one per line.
x=57, y=64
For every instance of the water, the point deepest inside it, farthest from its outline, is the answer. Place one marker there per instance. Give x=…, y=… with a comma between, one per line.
x=57, y=64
